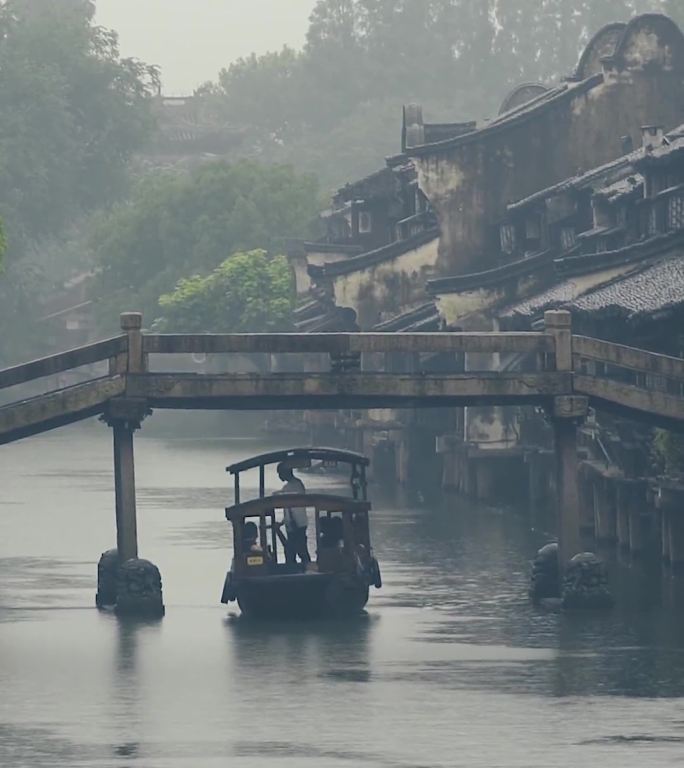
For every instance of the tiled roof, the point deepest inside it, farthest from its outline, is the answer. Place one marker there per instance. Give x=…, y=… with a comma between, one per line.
x=654, y=289
x=558, y=294
x=424, y=317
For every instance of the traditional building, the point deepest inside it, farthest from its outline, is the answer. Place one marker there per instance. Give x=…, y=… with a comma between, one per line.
x=626, y=78
x=564, y=199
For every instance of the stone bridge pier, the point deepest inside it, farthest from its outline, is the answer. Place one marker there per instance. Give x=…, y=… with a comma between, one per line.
x=130, y=585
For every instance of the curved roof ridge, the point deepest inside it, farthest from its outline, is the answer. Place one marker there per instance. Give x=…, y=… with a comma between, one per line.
x=592, y=45
x=508, y=100
x=645, y=19
x=514, y=117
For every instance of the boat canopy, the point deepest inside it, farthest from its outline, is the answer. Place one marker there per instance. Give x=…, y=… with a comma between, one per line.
x=301, y=458
x=300, y=454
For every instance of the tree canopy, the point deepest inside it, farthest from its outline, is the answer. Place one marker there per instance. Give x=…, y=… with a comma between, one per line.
x=363, y=59
x=247, y=292
x=73, y=113
x=179, y=225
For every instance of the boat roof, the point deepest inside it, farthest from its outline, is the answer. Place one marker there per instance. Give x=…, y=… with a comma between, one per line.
x=322, y=501
x=324, y=454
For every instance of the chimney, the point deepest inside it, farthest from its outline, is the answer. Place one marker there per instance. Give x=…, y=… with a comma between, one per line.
x=626, y=144
x=652, y=136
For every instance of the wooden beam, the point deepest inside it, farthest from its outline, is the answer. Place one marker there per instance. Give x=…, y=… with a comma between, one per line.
x=55, y=409
x=325, y=391
x=627, y=357
x=629, y=397
x=65, y=361
x=338, y=343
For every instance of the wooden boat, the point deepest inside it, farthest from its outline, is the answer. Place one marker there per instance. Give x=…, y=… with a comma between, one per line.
x=337, y=581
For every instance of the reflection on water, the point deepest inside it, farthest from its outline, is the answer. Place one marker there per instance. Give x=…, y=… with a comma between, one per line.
x=449, y=666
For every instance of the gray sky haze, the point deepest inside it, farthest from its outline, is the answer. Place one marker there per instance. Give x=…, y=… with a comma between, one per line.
x=191, y=40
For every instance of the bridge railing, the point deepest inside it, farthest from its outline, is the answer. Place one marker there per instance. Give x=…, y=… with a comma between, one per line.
x=101, y=351
x=347, y=343
x=129, y=352
x=346, y=350
x=628, y=365
x=629, y=378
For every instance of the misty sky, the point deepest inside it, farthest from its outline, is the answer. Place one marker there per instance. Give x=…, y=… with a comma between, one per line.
x=193, y=39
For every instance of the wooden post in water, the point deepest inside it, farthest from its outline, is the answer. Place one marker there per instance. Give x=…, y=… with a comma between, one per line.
x=568, y=411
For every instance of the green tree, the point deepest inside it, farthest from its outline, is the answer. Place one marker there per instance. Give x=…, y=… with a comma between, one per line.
x=178, y=225
x=365, y=58
x=668, y=451
x=74, y=112
x=248, y=292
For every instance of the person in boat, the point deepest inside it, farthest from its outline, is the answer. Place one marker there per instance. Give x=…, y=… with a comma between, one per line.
x=332, y=533
x=250, y=535
x=295, y=519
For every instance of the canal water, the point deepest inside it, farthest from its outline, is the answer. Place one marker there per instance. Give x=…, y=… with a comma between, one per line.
x=450, y=666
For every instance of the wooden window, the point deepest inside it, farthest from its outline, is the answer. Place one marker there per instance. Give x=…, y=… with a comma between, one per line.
x=652, y=227
x=365, y=222
x=675, y=212
x=567, y=238
x=507, y=236
x=533, y=228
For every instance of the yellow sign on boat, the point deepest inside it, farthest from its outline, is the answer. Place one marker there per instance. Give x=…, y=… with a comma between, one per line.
x=255, y=561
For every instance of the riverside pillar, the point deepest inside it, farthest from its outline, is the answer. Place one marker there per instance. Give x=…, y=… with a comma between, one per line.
x=568, y=411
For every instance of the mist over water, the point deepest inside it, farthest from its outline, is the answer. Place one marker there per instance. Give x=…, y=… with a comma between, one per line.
x=450, y=665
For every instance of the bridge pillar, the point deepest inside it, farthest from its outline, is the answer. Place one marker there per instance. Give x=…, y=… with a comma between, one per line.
x=124, y=484
x=125, y=416
x=567, y=412
x=138, y=582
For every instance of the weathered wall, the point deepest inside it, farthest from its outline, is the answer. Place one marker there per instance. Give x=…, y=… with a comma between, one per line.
x=300, y=268
x=300, y=263
x=470, y=180
x=385, y=289
x=460, y=309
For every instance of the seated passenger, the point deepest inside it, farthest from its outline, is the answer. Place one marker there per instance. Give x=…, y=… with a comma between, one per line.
x=332, y=533
x=250, y=534
x=325, y=539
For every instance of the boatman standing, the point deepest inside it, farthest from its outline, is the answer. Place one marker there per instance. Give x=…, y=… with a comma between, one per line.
x=296, y=520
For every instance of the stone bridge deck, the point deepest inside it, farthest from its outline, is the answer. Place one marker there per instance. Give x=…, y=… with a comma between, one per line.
x=555, y=364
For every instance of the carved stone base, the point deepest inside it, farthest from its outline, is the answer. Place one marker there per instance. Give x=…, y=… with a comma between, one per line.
x=585, y=584
x=545, y=579
x=107, y=577
x=139, y=590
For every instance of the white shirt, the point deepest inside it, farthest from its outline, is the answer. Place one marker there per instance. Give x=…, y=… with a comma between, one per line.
x=297, y=516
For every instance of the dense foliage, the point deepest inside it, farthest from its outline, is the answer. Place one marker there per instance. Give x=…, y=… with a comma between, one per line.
x=179, y=225
x=73, y=112
x=247, y=292
x=335, y=107
x=668, y=449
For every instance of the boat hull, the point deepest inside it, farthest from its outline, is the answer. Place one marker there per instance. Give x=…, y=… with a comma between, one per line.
x=301, y=596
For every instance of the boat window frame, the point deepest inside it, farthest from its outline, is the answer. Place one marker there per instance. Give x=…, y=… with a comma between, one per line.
x=357, y=462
